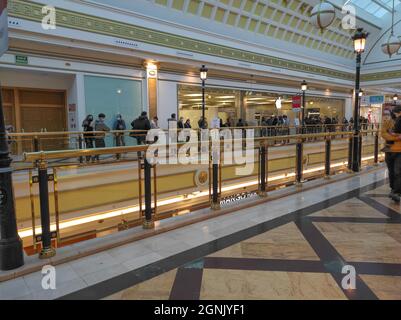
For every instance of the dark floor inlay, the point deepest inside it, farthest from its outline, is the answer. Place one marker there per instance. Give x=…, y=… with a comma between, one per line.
x=332, y=260
x=264, y=264
x=131, y=278
x=187, y=284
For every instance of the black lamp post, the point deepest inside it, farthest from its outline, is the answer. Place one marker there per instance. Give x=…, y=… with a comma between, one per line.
x=304, y=87
x=11, y=252
x=203, y=76
x=359, y=46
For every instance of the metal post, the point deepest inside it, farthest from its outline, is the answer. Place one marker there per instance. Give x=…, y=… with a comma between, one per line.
x=376, y=148
x=36, y=144
x=360, y=150
x=350, y=154
x=11, y=252
x=262, y=171
x=148, y=222
x=356, y=148
x=80, y=146
x=299, y=161
x=47, y=250
x=215, y=205
x=327, y=171
x=303, y=111
x=203, y=105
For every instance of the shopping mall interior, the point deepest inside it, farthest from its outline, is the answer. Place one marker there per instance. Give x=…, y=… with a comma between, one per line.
x=200, y=150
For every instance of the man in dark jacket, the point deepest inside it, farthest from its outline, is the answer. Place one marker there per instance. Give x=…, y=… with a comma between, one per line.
x=142, y=123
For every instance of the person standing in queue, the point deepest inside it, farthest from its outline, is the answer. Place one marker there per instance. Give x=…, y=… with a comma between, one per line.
x=89, y=138
x=100, y=126
x=119, y=125
x=141, y=124
x=392, y=151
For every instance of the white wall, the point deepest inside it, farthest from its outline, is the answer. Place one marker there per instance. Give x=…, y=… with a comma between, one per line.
x=167, y=101
x=349, y=109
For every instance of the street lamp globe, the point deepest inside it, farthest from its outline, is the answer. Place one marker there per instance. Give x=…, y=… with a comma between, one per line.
x=304, y=86
x=395, y=97
x=203, y=73
x=360, y=40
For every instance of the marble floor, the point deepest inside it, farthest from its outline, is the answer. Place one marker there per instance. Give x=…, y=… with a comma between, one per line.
x=293, y=247
x=301, y=259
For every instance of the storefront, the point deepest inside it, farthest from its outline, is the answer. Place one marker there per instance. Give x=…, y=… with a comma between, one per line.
x=250, y=106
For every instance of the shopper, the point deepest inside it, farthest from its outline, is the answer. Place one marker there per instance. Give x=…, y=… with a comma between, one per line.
x=100, y=126
x=89, y=138
x=119, y=125
x=392, y=150
x=154, y=124
x=141, y=125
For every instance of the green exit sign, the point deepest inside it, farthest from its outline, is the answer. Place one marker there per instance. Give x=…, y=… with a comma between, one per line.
x=22, y=60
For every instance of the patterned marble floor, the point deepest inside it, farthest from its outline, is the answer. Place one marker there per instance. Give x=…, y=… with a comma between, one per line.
x=297, y=258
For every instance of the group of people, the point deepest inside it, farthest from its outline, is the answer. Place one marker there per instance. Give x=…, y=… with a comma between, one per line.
x=94, y=135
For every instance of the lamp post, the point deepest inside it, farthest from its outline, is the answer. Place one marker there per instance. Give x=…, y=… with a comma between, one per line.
x=11, y=252
x=359, y=47
x=203, y=76
x=304, y=87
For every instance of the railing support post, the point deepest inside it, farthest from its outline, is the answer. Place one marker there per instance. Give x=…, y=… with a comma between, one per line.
x=215, y=205
x=360, y=151
x=299, y=162
x=47, y=250
x=327, y=171
x=376, y=148
x=263, y=171
x=80, y=146
x=148, y=222
x=350, y=145
x=35, y=144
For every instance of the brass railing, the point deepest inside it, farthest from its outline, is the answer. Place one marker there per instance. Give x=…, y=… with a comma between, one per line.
x=153, y=204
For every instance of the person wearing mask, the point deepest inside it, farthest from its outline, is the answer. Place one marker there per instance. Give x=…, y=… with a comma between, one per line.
x=216, y=122
x=142, y=126
x=202, y=123
x=172, y=122
x=119, y=125
x=89, y=138
x=187, y=124
x=390, y=127
x=100, y=126
x=154, y=124
x=180, y=123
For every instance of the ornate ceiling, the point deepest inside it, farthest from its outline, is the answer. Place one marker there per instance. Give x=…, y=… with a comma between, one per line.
x=286, y=20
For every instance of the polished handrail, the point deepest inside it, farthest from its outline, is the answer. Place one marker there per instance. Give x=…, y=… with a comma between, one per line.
x=90, y=133
x=65, y=154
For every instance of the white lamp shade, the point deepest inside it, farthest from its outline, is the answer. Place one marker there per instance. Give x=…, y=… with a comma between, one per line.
x=391, y=46
x=322, y=15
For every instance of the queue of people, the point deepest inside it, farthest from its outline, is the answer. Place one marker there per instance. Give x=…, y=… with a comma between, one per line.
x=269, y=126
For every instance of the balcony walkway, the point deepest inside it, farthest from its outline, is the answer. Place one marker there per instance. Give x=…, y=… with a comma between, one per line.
x=290, y=248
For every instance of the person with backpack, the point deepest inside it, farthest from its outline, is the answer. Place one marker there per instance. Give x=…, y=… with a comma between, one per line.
x=89, y=138
x=142, y=124
x=119, y=125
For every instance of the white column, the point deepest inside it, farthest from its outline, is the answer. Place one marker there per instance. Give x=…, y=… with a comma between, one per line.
x=349, y=108
x=81, y=103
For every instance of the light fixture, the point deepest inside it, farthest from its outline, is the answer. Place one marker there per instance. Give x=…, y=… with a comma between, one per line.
x=360, y=92
x=322, y=15
x=203, y=73
x=393, y=44
x=304, y=86
x=360, y=40
x=119, y=91
x=395, y=97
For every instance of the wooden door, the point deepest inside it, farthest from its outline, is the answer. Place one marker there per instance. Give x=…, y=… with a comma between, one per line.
x=44, y=111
